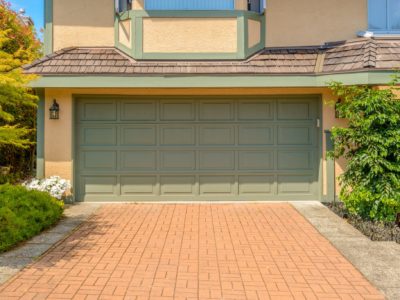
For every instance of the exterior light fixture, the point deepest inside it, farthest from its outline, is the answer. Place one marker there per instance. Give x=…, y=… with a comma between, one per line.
x=54, y=111
x=337, y=113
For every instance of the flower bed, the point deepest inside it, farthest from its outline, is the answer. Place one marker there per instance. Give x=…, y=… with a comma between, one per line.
x=24, y=214
x=376, y=231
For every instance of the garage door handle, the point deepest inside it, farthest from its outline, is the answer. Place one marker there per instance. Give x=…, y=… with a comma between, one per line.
x=318, y=123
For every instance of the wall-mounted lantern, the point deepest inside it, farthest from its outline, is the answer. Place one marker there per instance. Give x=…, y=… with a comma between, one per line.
x=54, y=111
x=337, y=113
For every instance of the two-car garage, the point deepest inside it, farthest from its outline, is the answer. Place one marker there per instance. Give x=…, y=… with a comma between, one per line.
x=197, y=148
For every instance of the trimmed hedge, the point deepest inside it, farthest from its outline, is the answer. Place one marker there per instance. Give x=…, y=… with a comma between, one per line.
x=24, y=214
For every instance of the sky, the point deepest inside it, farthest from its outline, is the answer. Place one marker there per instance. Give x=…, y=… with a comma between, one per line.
x=33, y=8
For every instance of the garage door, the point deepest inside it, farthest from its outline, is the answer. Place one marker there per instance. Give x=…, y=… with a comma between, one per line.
x=141, y=149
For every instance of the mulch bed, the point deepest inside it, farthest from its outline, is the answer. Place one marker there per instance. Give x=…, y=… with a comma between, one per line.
x=376, y=231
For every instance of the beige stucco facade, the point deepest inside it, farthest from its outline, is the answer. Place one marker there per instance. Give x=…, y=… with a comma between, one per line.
x=59, y=137
x=313, y=22
x=254, y=34
x=80, y=23
x=288, y=23
x=189, y=35
x=125, y=33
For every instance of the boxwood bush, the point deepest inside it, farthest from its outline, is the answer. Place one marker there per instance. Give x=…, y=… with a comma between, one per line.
x=24, y=214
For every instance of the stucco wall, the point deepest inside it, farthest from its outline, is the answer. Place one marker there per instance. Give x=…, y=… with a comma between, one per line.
x=288, y=23
x=138, y=5
x=254, y=34
x=83, y=23
x=189, y=35
x=59, y=133
x=241, y=4
x=125, y=33
x=313, y=22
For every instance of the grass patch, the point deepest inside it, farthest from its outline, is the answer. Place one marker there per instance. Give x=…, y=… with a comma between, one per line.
x=24, y=214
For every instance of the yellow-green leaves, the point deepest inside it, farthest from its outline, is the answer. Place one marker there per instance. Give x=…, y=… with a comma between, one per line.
x=18, y=46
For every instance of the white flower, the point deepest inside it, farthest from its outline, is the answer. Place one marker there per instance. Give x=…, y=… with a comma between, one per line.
x=55, y=186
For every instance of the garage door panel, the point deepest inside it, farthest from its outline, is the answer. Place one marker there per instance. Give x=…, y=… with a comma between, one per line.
x=98, y=185
x=138, y=185
x=131, y=149
x=256, y=135
x=134, y=110
x=177, y=160
x=296, y=135
x=98, y=111
x=98, y=136
x=256, y=184
x=138, y=135
x=216, y=160
x=295, y=110
x=256, y=111
x=178, y=135
x=256, y=160
x=178, y=185
x=145, y=160
x=217, y=135
x=295, y=160
x=99, y=160
x=222, y=185
x=216, y=111
x=296, y=184
x=178, y=111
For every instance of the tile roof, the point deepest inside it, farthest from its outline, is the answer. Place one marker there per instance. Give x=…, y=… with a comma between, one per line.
x=356, y=55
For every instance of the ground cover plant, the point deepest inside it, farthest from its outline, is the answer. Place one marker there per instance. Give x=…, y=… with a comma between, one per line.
x=375, y=230
x=24, y=214
x=370, y=185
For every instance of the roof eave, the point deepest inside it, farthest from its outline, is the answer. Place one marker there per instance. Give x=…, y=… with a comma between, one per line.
x=381, y=77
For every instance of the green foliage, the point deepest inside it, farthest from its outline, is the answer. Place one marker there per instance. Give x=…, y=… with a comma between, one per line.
x=24, y=214
x=371, y=145
x=18, y=46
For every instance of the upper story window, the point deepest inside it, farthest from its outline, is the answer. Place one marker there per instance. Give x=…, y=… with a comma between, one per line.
x=189, y=4
x=252, y=5
x=384, y=16
x=123, y=5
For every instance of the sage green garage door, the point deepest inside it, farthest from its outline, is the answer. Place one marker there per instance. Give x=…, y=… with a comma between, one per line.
x=138, y=149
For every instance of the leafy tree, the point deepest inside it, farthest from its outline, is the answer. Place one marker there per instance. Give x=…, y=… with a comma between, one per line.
x=371, y=145
x=18, y=46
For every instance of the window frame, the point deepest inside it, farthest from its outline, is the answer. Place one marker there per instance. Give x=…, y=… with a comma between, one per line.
x=387, y=30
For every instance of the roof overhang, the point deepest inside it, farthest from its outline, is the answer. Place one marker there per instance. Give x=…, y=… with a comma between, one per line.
x=214, y=81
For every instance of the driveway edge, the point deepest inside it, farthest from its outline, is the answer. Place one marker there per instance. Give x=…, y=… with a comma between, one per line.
x=378, y=261
x=13, y=261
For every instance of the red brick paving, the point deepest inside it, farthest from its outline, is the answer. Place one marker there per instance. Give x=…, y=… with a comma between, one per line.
x=232, y=251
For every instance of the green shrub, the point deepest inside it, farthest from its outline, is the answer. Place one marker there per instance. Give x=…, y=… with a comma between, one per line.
x=371, y=145
x=368, y=205
x=24, y=214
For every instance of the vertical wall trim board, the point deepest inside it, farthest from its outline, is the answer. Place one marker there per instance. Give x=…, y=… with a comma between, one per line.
x=40, y=134
x=330, y=168
x=48, y=26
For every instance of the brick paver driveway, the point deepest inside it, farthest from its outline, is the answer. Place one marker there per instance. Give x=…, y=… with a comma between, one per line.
x=242, y=251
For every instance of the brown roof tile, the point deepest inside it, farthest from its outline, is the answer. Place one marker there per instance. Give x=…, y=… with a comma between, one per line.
x=360, y=54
